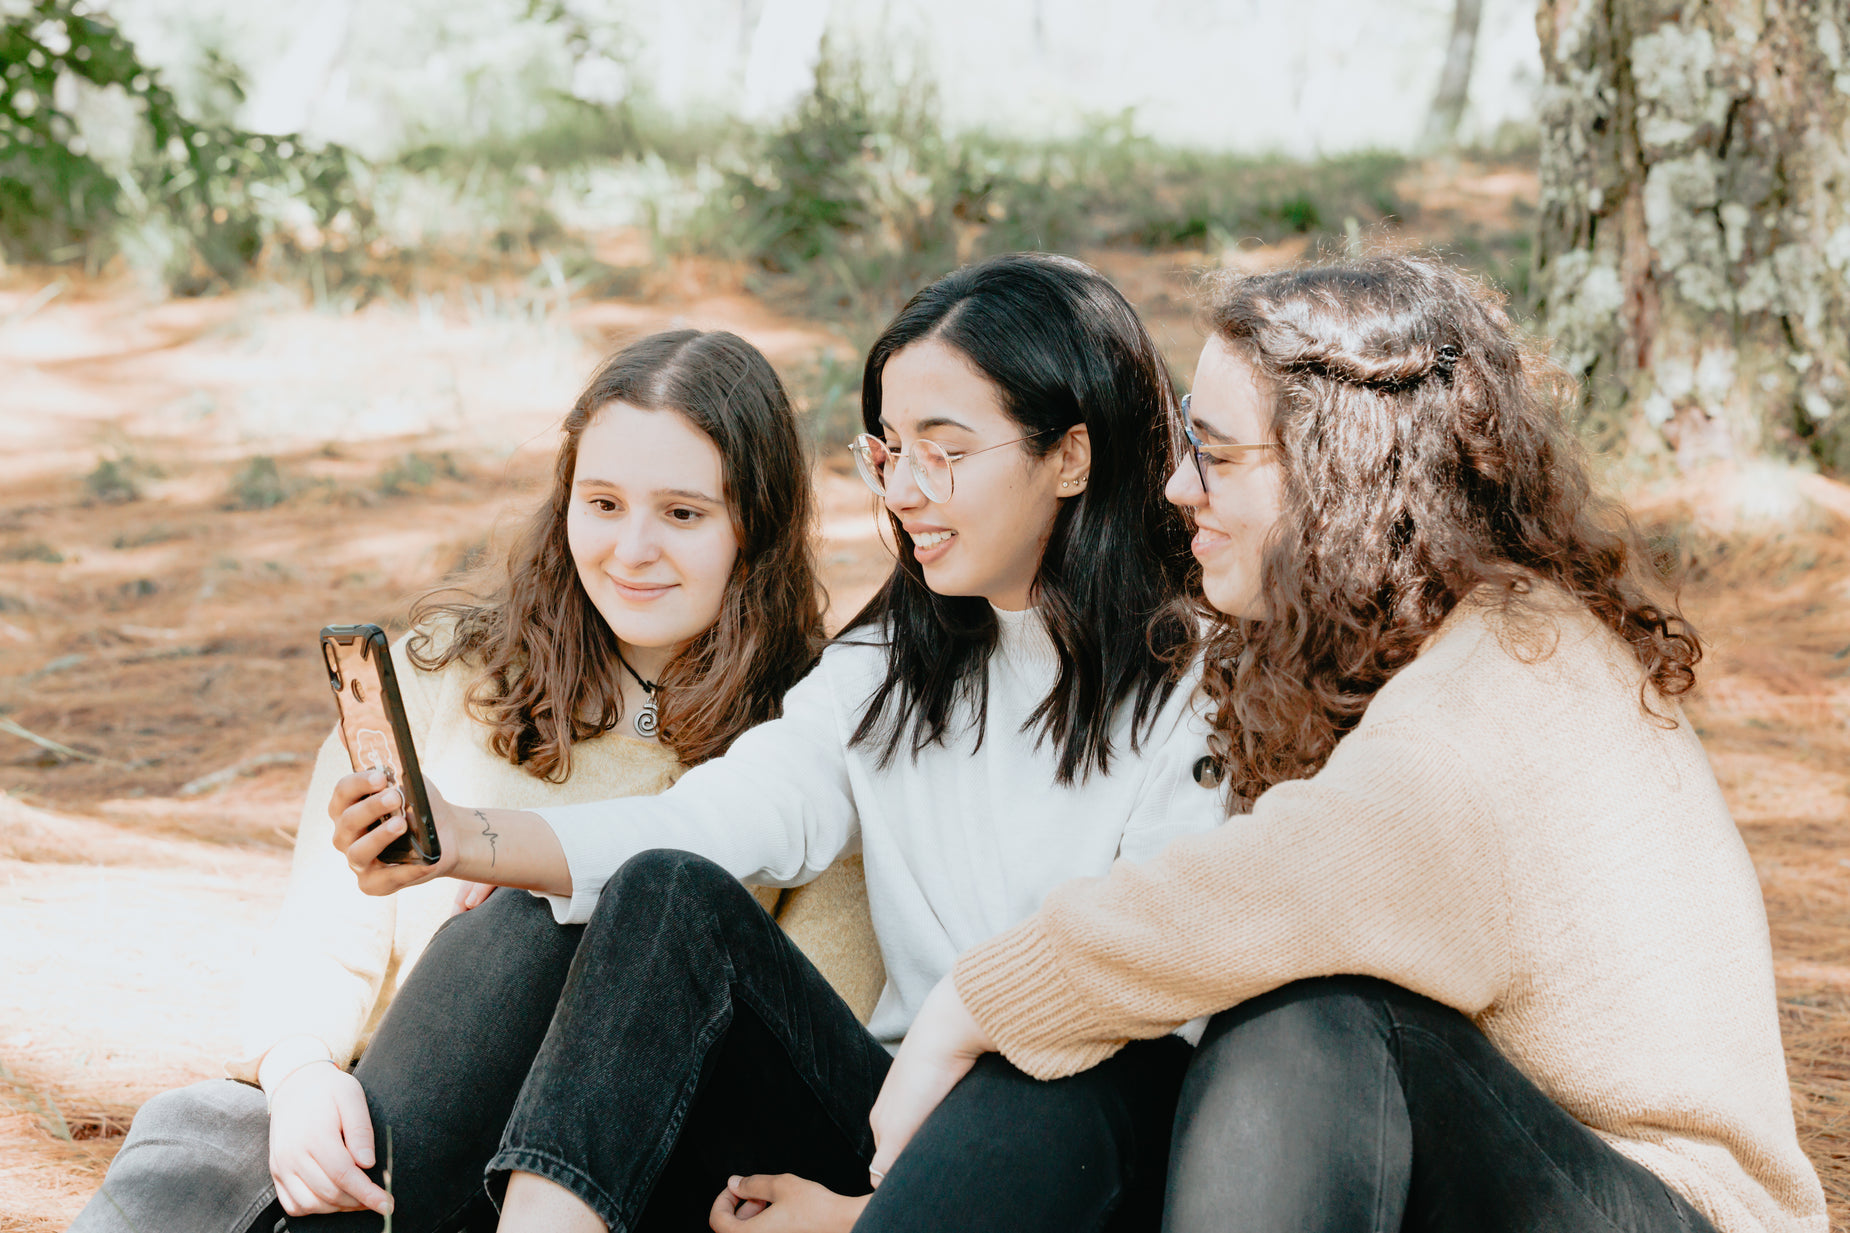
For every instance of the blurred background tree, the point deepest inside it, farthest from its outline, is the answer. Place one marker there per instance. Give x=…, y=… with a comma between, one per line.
x=1448, y=104
x=1693, y=259
x=1690, y=256
x=204, y=195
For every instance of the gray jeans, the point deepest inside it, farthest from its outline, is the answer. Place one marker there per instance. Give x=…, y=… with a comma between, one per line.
x=196, y=1159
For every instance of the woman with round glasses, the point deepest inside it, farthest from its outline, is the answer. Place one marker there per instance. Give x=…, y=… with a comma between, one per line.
x=1007, y=713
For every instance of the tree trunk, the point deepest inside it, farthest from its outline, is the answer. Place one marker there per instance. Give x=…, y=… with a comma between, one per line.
x=1694, y=251
x=1448, y=102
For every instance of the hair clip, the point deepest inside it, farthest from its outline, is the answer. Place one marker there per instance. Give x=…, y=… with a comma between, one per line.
x=1445, y=361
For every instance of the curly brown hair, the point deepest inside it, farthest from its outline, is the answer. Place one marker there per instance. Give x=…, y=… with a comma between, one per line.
x=547, y=661
x=1426, y=453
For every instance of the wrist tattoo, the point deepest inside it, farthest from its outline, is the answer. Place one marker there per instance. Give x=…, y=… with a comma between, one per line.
x=488, y=834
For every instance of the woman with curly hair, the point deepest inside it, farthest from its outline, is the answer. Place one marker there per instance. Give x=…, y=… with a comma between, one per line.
x=1487, y=950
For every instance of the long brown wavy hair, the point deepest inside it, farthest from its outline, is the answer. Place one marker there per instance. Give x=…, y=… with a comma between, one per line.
x=1426, y=453
x=547, y=661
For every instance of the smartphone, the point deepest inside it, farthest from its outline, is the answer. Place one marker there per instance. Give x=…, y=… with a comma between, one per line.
x=373, y=728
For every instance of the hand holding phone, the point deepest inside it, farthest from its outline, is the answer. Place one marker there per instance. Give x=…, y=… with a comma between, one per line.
x=377, y=737
x=369, y=817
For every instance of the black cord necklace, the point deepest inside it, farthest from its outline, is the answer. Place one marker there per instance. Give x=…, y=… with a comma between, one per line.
x=647, y=721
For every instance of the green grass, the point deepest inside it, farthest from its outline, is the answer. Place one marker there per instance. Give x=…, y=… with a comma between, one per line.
x=32, y=550
x=259, y=484
x=38, y=1103
x=415, y=472
x=148, y=536
x=117, y=480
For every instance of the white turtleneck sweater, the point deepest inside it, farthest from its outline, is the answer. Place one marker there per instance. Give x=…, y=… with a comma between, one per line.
x=960, y=843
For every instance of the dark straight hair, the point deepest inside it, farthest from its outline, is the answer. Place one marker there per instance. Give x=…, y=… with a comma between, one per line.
x=547, y=672
x=1062, y=347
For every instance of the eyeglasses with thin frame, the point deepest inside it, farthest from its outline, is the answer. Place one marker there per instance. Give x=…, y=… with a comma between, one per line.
x=1220, y=451
x=931, y=463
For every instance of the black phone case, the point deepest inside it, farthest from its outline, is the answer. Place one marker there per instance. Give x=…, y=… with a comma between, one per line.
x=374, y=731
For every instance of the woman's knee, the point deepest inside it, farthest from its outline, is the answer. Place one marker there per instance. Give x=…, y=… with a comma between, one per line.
x=510, y=943
x=1299, y=1058
x=1304, y=1018
x=509, y=912
x=195, y=1158
x=1299, y=1087
x=665, y=881
x=203, y=1112
x=217, y=1129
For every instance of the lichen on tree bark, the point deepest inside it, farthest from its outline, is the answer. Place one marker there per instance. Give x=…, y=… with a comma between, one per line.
x=1694, y=250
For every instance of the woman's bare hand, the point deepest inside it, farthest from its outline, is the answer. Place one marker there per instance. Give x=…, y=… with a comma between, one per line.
x=942, y=1045
x=321, y=1144
x=783, y=1203
x=360, y=800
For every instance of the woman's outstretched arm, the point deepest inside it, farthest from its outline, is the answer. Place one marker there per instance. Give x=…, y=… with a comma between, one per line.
x=776, y=809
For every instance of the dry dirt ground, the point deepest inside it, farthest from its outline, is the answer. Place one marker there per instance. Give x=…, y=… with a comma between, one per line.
x=160, y=698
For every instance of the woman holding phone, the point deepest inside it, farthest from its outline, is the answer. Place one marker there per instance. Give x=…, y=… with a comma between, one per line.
x=674, y=548
x=1487, y=950
x=1010, y=711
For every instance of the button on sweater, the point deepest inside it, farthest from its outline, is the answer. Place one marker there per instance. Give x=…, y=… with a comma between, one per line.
x=1508, y=832
x=959, y=842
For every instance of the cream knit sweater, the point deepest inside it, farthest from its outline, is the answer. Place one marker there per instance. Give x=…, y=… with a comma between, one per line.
x=1508, y=833
x=329, y=967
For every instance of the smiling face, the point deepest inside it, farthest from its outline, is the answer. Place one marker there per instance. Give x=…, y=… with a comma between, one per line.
x=1236, y=514
x=986, y=540
x=649, y=529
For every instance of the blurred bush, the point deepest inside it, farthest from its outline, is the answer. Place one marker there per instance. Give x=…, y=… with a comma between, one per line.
x=842, y=211
x=826, y=393
x=197, y=201
x=855, y=203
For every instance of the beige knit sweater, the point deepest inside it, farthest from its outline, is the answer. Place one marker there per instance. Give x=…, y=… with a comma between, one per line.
x=329, y=967
x=1508, y=833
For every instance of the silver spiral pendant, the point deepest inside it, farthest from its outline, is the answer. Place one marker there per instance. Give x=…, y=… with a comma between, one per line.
x=647, y=721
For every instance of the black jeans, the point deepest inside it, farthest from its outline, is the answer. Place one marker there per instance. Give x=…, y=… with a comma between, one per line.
x=679, y=1038
x=1352, y=1104
x=445, y=1067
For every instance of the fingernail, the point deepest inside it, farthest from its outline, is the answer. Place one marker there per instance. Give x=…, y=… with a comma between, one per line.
x=385, y=1209
x=731, y=1182
x=376, y=778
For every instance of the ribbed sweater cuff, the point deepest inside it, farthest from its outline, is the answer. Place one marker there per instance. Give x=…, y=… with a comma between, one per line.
x=1015, y=989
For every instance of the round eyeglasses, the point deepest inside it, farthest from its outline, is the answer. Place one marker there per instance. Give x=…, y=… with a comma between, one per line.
x=930, y=462
x=1219, y=451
